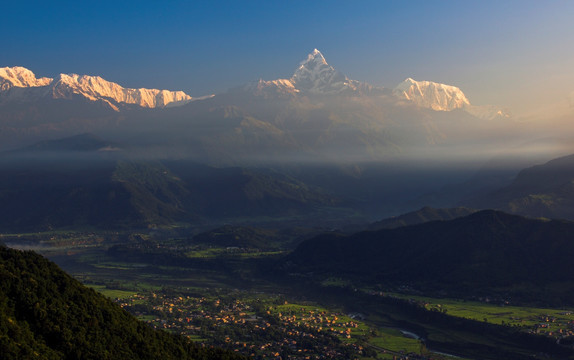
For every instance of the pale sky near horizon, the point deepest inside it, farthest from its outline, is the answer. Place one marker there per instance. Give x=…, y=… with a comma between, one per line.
x=514, y=54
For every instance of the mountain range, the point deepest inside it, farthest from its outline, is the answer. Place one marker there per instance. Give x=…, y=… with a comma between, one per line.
x=314, y=114
x=313, y=76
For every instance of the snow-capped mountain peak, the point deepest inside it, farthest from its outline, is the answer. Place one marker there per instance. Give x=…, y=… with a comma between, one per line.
x=432, y=95
x=316, y=76
x=19, y=76
x=315, y=58
x=441, y=97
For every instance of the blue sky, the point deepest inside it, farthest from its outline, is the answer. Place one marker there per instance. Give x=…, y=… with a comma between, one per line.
x=517, y=54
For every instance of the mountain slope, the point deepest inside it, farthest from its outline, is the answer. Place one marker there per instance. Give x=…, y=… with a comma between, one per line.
x=545, y=190
x=46, y=314
x=420, y=216
x=486, y=252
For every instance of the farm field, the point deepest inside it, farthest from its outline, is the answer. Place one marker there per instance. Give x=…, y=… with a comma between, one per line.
x=551, y=322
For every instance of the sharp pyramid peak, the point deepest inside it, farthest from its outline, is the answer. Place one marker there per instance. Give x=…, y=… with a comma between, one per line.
x=314, y=63
x=314, y=57
x=406, y=84
x=314, y=75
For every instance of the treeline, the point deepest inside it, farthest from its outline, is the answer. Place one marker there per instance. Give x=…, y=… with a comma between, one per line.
x=46, y=314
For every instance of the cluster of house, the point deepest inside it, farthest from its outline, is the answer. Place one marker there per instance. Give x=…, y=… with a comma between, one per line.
x=319, y=321
x=236, y=325
x=552, y=326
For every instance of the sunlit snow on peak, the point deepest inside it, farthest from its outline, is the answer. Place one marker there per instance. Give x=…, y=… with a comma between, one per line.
x=93, y=88
x=19, y=76
x=315, y=75
x=433, y=95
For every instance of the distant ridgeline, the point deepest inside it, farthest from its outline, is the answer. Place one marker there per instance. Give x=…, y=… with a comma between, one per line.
x=46, y=314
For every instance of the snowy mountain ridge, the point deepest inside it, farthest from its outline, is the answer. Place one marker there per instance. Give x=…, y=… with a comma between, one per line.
x=280, y=88
x=93, y=88
x=439, y=97
x=313, y=76
x=18, y=76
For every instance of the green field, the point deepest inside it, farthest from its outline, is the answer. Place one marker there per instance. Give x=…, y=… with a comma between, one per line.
x=112, y=293
x=215, y=252
x=394, y=340
x=542, y=320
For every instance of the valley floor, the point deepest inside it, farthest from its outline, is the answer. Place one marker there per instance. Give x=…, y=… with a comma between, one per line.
x=220, y=297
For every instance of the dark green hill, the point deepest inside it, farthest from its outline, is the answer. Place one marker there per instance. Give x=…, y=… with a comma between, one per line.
x=545, y=190
x=487, y=251
x=45, y=314
x=420, y=216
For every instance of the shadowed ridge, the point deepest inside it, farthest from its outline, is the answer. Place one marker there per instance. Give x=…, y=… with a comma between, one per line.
x=487, y=251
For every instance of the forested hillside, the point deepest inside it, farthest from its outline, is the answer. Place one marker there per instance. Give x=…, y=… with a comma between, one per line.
x=46, y=314
x=485, y=252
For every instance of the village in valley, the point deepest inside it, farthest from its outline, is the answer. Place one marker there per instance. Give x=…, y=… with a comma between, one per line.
x=270, y=327
x=265, y=326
